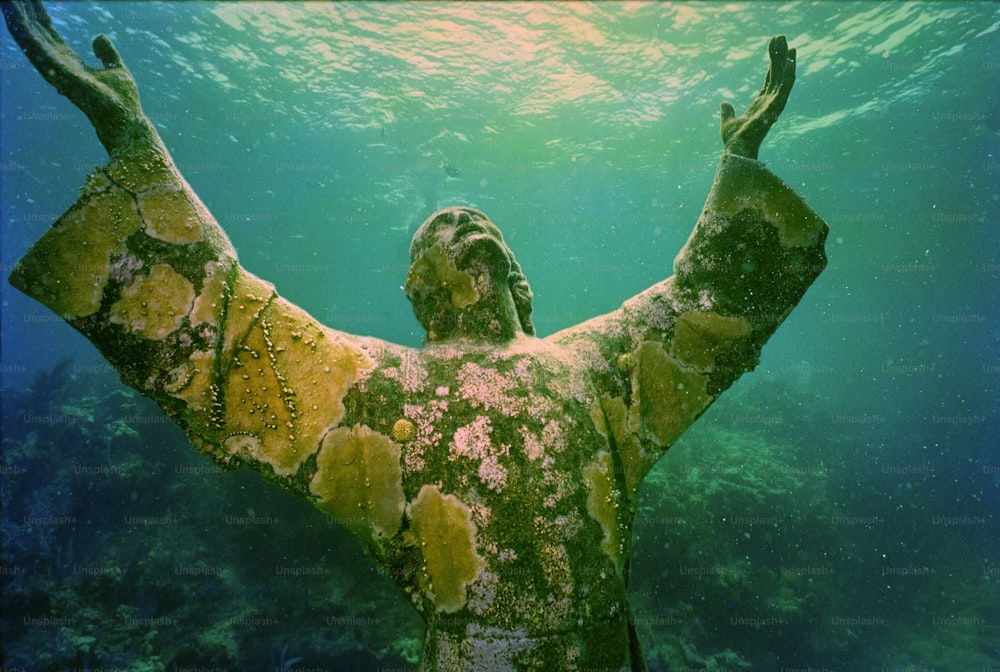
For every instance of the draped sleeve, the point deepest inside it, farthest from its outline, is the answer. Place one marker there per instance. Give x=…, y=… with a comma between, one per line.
x=143, y=270
x=663, y=357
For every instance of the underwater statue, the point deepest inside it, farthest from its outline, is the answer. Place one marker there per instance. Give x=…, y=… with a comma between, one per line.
x=492, y=472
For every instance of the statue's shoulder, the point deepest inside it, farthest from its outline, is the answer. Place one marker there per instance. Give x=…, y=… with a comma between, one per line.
x=520, y=354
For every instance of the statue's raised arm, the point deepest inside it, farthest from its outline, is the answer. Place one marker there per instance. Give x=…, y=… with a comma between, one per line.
x=141, y=268
x=754, y=251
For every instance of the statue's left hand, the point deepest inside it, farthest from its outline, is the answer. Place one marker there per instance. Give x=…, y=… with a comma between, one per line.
x=743, y=135
x=108, y=95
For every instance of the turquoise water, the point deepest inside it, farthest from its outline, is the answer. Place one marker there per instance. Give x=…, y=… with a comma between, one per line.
x=320, y=136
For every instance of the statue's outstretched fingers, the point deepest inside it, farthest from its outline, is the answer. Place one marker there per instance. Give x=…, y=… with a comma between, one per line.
x=107, y=95
x=784, y=86
x=727, y=112
x=777, y=70
x=742, y=135
x=777, y=46
x=773, y=65
x=775, y=54
x=105, y=50
x=31, y=27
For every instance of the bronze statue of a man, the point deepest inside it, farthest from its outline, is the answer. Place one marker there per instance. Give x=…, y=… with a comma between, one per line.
x=494, y=472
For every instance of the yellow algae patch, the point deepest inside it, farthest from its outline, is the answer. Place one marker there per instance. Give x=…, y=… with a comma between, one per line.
x=556, y=566
x=141, y=167
x=613, y=412
x=602, y=504
x=243, y=445
x=743, y=183
x=359, y=482
x=447, y=536
x=288, y=382
x=169, y=216
x=435, y=268
x=208, y=304
x=154, y=305
x=68, y=268
x=597, y=415
x=701, y=335
x=318, y=366
x=246, y=296
x=667, y=397
x=197, y=390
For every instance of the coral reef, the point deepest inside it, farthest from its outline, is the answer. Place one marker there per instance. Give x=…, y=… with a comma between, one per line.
x=154, y=305
x=749, y=525
x=403, y=430
x=78, y=248
x=602, y=507
x=447, y=537
x=359, y=482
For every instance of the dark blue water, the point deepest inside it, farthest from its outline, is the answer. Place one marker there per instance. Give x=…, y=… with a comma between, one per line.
x=836, y=509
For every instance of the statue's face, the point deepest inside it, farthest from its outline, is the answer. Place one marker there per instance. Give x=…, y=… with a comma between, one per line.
x=458, y=280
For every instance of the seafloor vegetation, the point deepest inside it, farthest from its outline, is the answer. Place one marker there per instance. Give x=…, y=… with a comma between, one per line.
x=771, y=538
x=125, y=549
x=757, y=546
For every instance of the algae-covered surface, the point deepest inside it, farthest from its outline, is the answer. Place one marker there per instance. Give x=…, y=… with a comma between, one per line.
x=836, y=509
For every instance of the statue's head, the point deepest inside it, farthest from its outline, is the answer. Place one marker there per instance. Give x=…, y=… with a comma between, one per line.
x=464, y=281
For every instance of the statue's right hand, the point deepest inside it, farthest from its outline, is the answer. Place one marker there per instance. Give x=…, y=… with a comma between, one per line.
x=742, y=135
x=108, y=95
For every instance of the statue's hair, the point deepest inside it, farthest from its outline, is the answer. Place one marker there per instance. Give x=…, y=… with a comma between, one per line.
x=521, y=291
